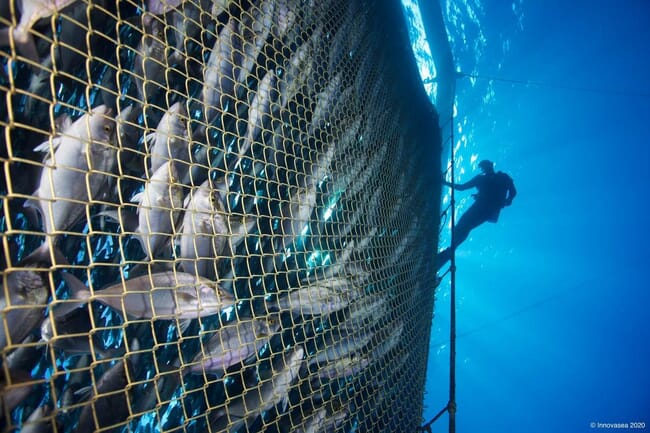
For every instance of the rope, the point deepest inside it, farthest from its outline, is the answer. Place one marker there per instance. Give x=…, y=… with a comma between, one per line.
x=601, y=91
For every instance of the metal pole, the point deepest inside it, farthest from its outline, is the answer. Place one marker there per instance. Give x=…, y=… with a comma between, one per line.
x=452, y=337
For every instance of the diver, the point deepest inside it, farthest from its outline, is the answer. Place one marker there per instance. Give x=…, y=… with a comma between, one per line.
x=496, y=190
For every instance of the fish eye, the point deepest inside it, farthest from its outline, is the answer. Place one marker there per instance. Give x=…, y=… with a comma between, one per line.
x=107, y=128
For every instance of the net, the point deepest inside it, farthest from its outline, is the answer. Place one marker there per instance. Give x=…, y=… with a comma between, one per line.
x=216, y=216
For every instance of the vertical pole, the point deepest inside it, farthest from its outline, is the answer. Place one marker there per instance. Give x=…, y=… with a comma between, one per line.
x=451, y=408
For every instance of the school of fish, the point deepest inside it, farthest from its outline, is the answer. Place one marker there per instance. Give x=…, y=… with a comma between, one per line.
x=180, y=244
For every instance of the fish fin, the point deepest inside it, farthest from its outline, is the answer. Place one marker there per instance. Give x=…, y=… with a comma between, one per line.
x=110, y=214
x=150, y=138
x=62, y=123
x=285, y=404
x=44, y=147
x=111, y=352
x=26, y=44
x=84, y=393
x=77, y=288
x=33, y=211
x=137, y=198
x=184, y=325
x=130, y=221
x=61, y=311
x=127, y=218
x=42, y=255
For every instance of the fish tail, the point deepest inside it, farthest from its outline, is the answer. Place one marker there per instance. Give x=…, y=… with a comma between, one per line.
x=42, y=255
x=78, y=290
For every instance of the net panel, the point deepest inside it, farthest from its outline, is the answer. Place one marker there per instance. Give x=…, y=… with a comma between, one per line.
x=216, y=216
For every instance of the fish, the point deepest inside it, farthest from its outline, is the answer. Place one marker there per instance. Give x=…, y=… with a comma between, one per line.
x=40, y=421
x=70, y=328
x=128, y=134
x=298, y=69
x=159, y=7
x=160, y=206
x=80, y=162
x=345, y=366
x=165, y=295
x=254, y=29
x=150, y=61
x=296, y=214
x=267, y=394
x=325, y=101
x=24, y=296
x=205, y=230
x=109, y=403
x=218, y=73
x=170, y=141
x=79, y=375
x=340, y=344
x=391, y=338
x=233, y=343
x=190, y=22
x=260, y=112
x=284, y=17
x=31, y=12
x=365, y=312
x=313, y=422
x=320, y=297
x=220, y=6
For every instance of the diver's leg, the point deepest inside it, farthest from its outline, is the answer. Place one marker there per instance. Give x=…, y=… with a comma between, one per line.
x=474, y=217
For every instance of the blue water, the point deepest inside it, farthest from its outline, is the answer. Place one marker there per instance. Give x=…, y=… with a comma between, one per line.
x=554, y=300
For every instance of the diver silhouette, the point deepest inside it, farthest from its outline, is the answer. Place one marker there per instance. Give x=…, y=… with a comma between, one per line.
x=495, y=191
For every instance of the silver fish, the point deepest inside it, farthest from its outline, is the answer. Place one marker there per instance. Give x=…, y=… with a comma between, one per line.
x=159, y=7
x=343, y=367
x=110, y=402
x=254, y=30
x=40, y=421
x=313, y=422
x=78, y=167
x=188, y=21
x=166, y=295
x=389, y=341
x=160, y=208
x=218, y=74
x=234, y=343
x=150, y=60
x=128, y=134
x=298, y=69
x=171, y=139
x=365, y=312
x=205, y=230
x=70, y=329
x=31, y=11
x=266, y=395
x=284, y=17
x=340, y=344
x=260, y=110
x=325, y=102
x=322, y=297
x=24, y=295
x=220, y=6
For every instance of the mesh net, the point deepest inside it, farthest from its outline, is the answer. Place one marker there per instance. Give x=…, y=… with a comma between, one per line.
x=216, y=216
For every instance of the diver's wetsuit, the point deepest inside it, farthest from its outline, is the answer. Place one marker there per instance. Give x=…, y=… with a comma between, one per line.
x=495, y=191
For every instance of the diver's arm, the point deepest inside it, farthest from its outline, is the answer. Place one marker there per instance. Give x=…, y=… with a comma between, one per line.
x=512, y=192
x=461, y=186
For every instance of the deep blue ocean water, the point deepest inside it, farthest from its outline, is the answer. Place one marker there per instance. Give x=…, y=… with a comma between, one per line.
x=554, y=300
